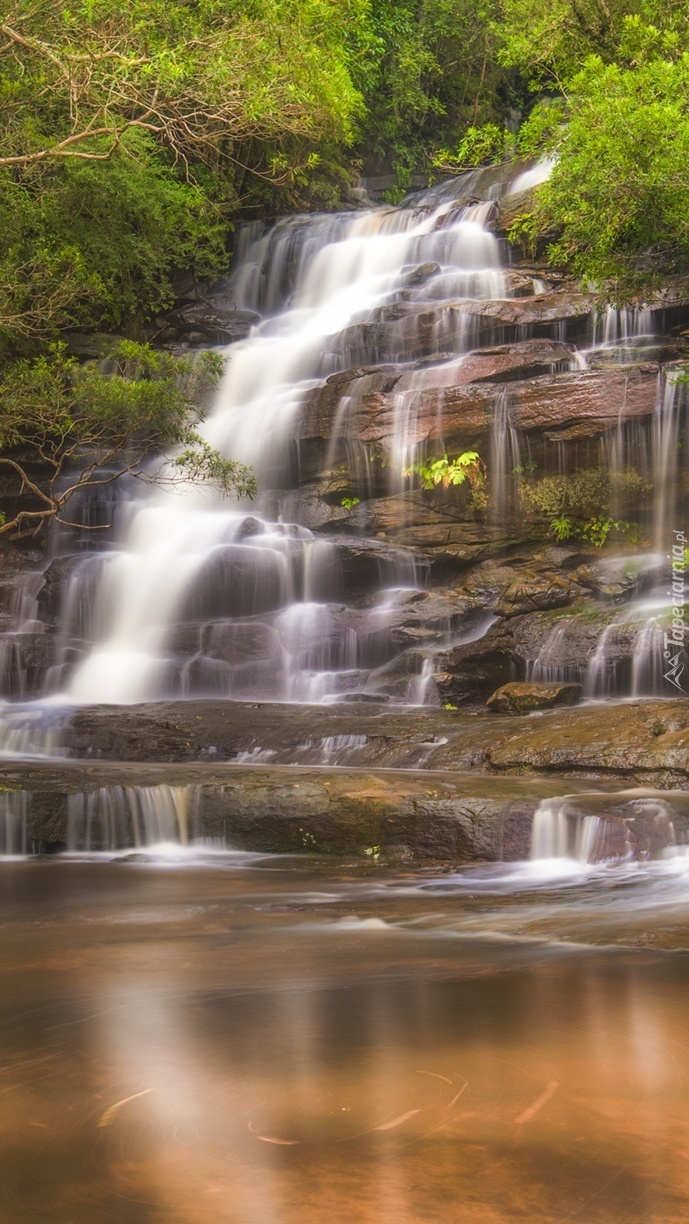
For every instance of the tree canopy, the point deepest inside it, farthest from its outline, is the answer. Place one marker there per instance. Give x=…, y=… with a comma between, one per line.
x=134, y=133
x=65, y=428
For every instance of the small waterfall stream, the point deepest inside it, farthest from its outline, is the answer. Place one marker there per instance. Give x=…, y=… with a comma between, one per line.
x=611, y=828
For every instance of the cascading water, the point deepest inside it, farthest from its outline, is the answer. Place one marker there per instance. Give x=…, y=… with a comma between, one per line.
x=205, y=598
x=282, y=601
x=611, y=828
x=114, y=818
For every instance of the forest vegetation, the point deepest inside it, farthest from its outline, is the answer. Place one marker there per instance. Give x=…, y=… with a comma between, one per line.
x=135, y=134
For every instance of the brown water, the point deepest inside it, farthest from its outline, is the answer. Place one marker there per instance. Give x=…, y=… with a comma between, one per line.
x=262, y=1042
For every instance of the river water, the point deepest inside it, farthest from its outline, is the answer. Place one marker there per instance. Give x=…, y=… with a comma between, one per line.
x=245, y=1040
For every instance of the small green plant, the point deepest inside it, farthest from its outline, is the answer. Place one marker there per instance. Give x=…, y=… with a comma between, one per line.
x=447, y=472
x=522, y=468
x=307, y=840
x=597, y=530
x=449, y=706
x=562, y=527
x=350, y=502
x=372, y=852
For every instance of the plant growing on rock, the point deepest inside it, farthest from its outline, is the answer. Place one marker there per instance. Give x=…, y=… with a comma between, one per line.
x=581, y=504
x=446, y=472
x=65, y=428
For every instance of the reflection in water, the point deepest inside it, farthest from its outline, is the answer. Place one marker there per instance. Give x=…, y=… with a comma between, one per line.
x=258, y=1045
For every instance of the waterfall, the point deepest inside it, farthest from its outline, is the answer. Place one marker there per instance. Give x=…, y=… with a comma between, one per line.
x=201, y=597
x=611, y=827
x=366, y=361
x=505, y=456
x=670, y=460
x=557, y=835
x=14, y=839
x=114, y=818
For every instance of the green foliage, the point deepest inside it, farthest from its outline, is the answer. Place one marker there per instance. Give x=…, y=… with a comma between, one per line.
x=620, y=130
x=350, y=502
x=101, y=241
x=549, y=40
x=78, y=426
x=446, y=472
x=126, y=130
x=428, y=71
x=478, y=147
x=619, y=191
x=562, y=527
x=597, y=530
x=581, y=505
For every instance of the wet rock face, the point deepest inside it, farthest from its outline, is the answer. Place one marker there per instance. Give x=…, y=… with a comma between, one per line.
x=522, y=698
x=211, y=322
x=646, y=742
x=25, y=659
x=468, y=674
x=531, y=592
x=458, y=405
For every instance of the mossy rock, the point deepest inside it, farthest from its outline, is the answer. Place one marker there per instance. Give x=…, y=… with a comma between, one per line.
x=522, y=698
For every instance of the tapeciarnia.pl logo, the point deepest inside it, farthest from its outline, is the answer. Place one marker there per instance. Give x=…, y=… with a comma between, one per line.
x=673, y=640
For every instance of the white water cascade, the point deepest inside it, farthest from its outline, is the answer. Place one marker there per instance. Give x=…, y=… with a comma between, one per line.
x=115, y=818
x=617, y=827
x=258, y=604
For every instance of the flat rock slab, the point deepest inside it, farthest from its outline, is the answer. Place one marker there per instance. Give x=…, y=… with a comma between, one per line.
x=279, y=809
x=642, y=741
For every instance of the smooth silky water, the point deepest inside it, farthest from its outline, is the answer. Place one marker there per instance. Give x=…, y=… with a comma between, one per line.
x=195, y=1035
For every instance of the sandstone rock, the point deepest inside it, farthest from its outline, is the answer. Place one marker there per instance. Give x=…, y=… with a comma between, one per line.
x=419, y=275
x=213, y=322
x=522, y=698
x=531, y=592
x=257, y=808
x=57, y=576
x=439, y=527
x=501, y=363
x=565, y=407
x=617, y=579
x=564, y=646
x=646, y=741
x=468, y=674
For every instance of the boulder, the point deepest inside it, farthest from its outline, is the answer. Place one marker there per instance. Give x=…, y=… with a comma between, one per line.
x=213, y=322
x=617, y=579
x=533, y=592
x=522, y=698
x=468, y=674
